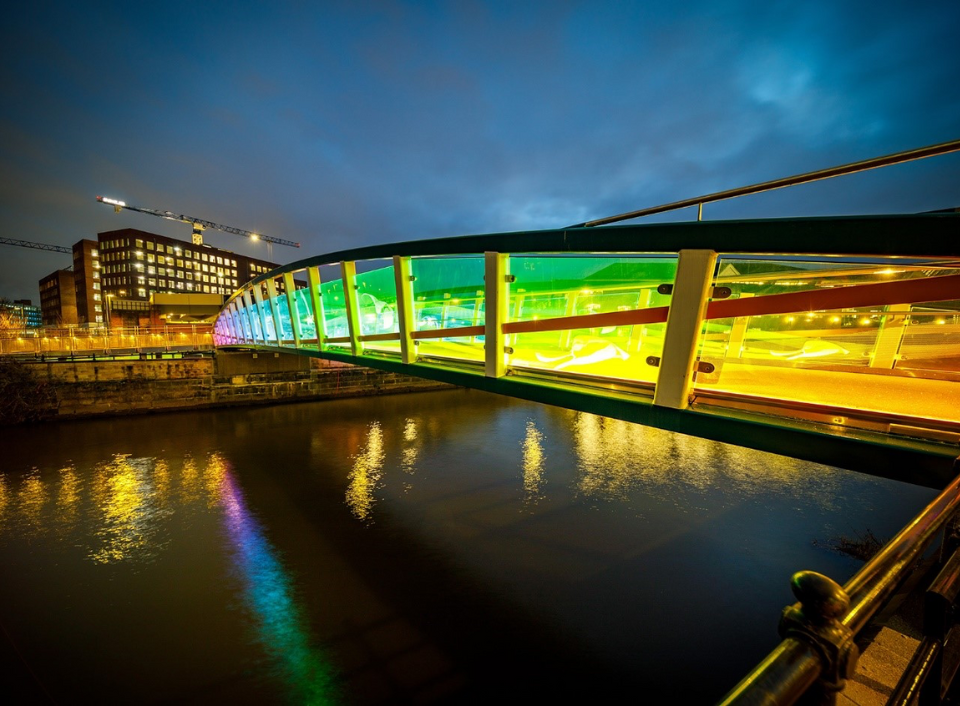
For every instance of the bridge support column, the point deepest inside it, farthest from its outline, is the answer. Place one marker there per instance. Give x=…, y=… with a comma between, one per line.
x=291, y=291
x=403, y=277
x=316, y=303
x=496, y=301
x=691, y=291
x=348, y=271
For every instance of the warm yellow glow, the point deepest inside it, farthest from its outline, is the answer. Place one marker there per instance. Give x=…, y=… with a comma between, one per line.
x=864, y=321
x=834, y=319
x=215, y=475
x=254, y=236
x=790, y=319
x=365, y=475
x=121, y=495
x=533, y=458
x=941, y=321
x=411, y=450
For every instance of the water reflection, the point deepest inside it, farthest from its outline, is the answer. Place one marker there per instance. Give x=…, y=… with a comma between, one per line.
x=269, y=596
x=122, y=491
x=365, y=474
x=411, y=447
x=533, y=459
x=617, y=457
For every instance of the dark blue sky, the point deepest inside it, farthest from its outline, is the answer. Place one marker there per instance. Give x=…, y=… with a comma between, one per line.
x=349, y=123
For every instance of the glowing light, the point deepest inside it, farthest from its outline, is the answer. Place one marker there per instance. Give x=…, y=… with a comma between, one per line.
x=533, y=459
x=254, y=236
x=864, y=321
x=365, y=475
x=941, y=321
x=834, y=319
x=113, y=202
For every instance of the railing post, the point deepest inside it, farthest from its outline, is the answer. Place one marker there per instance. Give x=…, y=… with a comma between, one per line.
x=348, y=271
x=738, y=333
x=258, y=297
x=244, y=324
x=316, y=303
x=237, y=323
x=290, y=287
x=251, y=311
x=496, y=300
x=403, y=276
x=275, y=310
x=691, y=290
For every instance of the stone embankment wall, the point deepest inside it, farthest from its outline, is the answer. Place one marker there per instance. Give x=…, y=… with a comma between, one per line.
x=80, y=389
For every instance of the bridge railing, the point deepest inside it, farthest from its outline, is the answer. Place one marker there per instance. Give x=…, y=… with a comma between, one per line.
x=818, y=652
x=66, y=342
x=850, y=322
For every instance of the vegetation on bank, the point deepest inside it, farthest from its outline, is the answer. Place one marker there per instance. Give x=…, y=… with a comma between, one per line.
x=23, y=398
x=860, y=546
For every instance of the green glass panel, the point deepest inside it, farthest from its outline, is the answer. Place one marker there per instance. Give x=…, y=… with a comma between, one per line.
x=448, y=293
x=283, y=311
x=334, y=310
x=546, y=287
x=377, y=303
x=308, y=328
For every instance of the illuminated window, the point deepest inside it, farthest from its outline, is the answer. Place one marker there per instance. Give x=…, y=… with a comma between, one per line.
x=139, y=242
x=149, y=245
x=141, y=292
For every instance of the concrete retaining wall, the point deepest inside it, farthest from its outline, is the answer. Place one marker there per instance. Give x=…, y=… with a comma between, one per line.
x=121, y=387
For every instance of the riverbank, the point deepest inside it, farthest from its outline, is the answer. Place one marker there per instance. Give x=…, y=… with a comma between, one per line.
x=67, y=389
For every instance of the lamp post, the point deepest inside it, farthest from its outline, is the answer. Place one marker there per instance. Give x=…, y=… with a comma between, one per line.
x=108, y=298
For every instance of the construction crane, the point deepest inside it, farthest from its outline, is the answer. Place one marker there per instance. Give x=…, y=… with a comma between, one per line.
x=199, y=224
x=35, y=246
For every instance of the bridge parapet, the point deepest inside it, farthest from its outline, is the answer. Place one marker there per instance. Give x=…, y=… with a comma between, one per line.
x=831, y=339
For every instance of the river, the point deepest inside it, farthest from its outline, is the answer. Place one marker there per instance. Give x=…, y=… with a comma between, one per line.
x=445, y=547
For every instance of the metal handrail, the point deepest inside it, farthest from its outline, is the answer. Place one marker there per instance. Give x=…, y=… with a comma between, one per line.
x=806, y=178
x=806, y=655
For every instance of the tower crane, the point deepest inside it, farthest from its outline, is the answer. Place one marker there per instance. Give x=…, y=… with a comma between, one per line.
x=199, y=224
x=36, y=246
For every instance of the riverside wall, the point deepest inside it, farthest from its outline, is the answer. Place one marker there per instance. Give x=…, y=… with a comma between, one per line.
x=110, y=387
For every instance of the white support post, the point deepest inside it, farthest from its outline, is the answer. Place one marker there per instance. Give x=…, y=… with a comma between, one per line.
x=258, y=296
x=497, y=298
x=248, y=303
x=313, y=283
x=290, y=287
x=348, y=271
x=244, y=323
x=691, y=291
x=275, y=309
x=226, y=322
x=403, y=276
x=234, y=323
x=890, y=336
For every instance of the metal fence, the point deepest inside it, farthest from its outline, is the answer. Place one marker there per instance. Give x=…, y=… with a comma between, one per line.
x=74, y=342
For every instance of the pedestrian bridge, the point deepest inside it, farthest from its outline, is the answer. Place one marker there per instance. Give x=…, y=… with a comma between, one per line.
x=835, y=340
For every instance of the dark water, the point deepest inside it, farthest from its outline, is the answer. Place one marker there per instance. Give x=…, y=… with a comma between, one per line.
x=448, y=547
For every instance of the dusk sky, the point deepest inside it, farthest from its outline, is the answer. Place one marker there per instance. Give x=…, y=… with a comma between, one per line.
x=341, y=124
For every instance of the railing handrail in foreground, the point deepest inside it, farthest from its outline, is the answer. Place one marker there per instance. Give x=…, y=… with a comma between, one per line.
x=806, y=178
x=819, y=632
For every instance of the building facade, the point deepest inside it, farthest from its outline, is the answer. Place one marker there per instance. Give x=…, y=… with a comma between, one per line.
x=86, y=279
x=58, y=299
x=136, y=264
x=20, y=315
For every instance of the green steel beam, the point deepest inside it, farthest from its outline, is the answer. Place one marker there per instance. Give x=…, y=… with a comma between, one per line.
x=924, y=235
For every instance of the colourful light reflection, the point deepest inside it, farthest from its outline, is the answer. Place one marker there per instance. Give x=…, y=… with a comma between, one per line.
x=270, y=597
